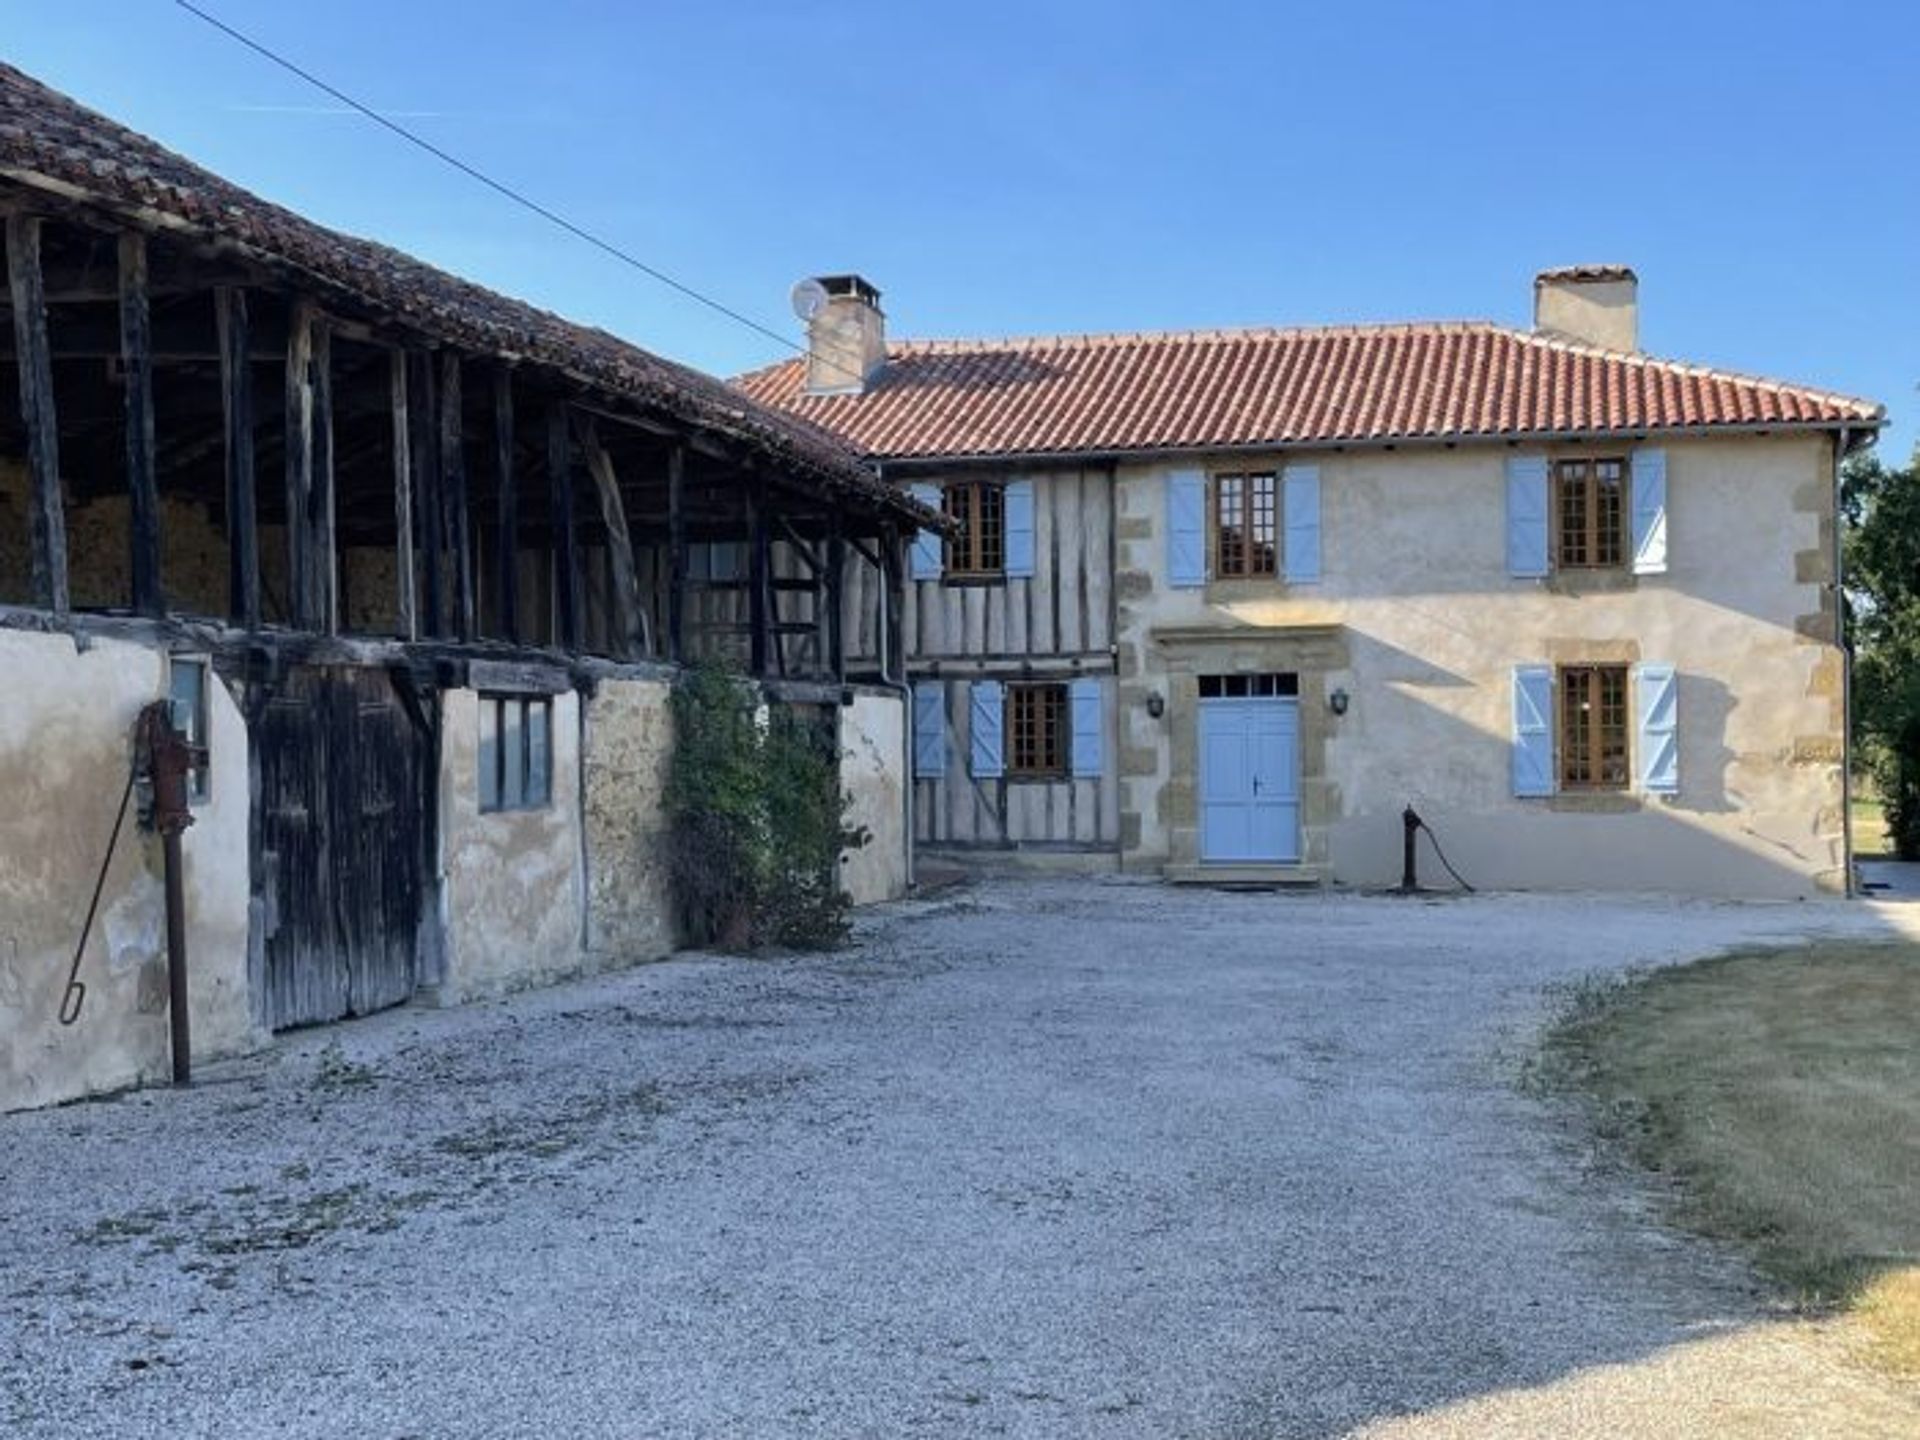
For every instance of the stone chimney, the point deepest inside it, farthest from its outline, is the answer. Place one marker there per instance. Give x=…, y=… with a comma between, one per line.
x=1593, y=304
x=846, y=334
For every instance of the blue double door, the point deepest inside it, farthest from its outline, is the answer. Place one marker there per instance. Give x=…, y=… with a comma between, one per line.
x=1250, y=781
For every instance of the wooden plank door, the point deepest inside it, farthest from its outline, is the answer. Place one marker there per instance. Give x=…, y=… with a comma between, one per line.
x=342, y=812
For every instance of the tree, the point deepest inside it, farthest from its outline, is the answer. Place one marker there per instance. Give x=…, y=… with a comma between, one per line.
x=1881, y=509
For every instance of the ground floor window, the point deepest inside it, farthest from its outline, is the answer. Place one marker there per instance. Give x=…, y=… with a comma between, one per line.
x=187, y=709
x=1593, y=727
x=516, y=752
x=1037, y=731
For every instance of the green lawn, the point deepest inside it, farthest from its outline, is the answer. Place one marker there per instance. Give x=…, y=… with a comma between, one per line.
x=1869, y=829
x=1780, y=1092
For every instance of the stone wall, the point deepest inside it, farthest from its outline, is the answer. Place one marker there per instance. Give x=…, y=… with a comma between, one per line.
x=873, y=773
x=629, y=738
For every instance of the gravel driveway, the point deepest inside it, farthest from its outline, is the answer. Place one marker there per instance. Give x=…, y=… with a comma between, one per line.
x=1049, y=1158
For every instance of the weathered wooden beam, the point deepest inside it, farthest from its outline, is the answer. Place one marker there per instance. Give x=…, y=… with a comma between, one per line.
x=46, y=507
x=453, y=472
x=629, y=638
x=566, y=543
x=298, y=450
x=759, y=567
x=136, y=365
x=406, y=601
x=893, y=657
x=508, y=501
x=834, y=587
x=236, y=390
x=423, y=407
x=676, y=553
x=324, y=569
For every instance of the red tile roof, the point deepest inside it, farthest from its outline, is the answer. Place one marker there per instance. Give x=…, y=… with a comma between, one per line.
x=1199, y=390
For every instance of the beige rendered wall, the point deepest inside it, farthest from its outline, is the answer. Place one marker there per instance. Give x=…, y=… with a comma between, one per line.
x=66, y=722
x=1418, y=620
x=873, y=737
x=512, y=882
x=629, y=738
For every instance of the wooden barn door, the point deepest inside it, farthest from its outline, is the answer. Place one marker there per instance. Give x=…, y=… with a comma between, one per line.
x=343, y=796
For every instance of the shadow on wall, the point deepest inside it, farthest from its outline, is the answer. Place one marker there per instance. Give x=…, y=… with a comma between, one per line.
x=1452, y=762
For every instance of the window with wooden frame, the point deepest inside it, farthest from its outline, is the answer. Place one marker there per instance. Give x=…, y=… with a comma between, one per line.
x=1592, y=501
x=979, y=551
x=1593, y=727
x=1036, y=732
x=516, y=752
x=1246, y=537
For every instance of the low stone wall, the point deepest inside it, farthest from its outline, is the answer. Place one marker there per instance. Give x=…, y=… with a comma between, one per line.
x=628, y=742
x=66, y=744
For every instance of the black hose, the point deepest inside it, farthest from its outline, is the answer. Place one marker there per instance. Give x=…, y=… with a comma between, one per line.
x=1445, y=864
x=75, y=994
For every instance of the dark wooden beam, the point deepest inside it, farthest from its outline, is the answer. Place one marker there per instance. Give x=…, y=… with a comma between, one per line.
x=566, y=543
x=407, y=600
x=136, y=364
x=893, y=657
x=453, y=471
x=836, y=569
x=508, y=513
x=423, y=408
x=324, y=568
x=46, y=507
x=236, y=389
x=676, y=553
x=298, y=451
x=759, y=568
x=629, y=639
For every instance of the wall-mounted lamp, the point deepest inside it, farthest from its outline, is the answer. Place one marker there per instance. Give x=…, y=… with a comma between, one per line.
x=1338, y=702
x=1156, y=704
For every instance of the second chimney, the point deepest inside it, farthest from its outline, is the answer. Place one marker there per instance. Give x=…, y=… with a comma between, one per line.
x=846, y=336
x=1594, y=304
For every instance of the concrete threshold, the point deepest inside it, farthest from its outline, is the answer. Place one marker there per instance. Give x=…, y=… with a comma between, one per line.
x=1249, y=877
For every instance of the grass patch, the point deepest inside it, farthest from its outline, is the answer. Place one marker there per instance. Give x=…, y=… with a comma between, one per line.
x=1870, y=840
x=1780, y=1091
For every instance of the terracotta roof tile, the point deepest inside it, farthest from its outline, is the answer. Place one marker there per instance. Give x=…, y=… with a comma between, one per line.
x=54, y=144
x=1206, y=389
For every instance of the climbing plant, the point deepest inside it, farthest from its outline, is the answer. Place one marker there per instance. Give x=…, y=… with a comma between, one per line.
x=757, y=819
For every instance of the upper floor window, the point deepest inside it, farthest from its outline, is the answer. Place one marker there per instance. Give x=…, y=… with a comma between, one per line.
x=1591, y=500
x=981, y=547
x=1246, y=538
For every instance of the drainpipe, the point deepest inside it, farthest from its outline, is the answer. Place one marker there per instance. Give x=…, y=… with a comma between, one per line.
x=1846, y=670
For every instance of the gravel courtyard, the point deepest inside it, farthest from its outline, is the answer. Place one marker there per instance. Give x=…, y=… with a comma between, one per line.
x=1050, y=1158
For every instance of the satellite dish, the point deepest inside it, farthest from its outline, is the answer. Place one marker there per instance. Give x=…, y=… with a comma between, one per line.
x=809, y=298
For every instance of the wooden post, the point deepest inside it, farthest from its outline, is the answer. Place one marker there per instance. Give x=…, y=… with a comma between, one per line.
x=236, y=389
x=509, y=505
x=136, y=364
x=676, y=553
x=424, y=407
x=566, y=545
x=757, y=572
x=836, y=570
x=299, y=454
x=324, y=562
x=407, y=598
x=453, y=469
x=628, y=642
x=35, y=359
x=893, y=663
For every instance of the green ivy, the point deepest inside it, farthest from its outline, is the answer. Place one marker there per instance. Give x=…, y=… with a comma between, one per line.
x=757, y=819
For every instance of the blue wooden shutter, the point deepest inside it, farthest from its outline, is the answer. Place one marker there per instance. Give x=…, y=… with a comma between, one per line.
x=986, y=715
x=1017, y=515
x=1647, y=480
x=1532, y=730
x=1086, y=727
x=1658, y=690
x=1302, y=506
x=930, y=728
x=1186, y=528
x=926, y=545
x=1526, y=515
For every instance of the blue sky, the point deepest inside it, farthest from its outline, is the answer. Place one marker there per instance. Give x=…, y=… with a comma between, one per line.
x=1017, y=168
